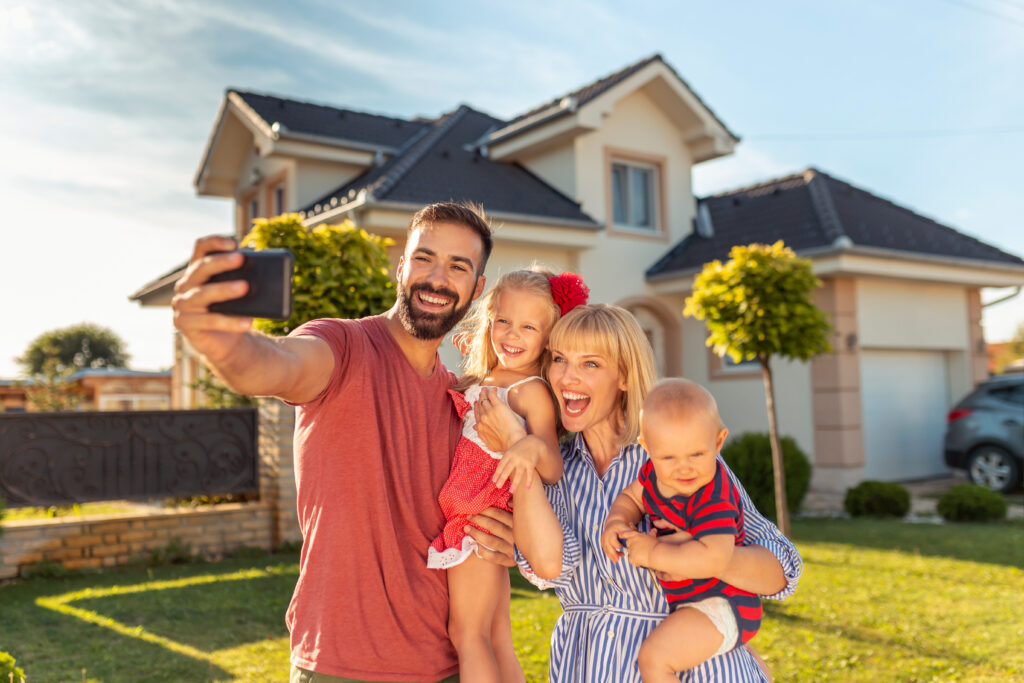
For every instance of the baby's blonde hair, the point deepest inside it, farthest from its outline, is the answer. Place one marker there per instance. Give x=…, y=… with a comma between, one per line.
x=473, y=335
x=614, y=333
x=677, y=398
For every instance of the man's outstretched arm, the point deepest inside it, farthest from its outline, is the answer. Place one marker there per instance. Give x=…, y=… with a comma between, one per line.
x=295, y=369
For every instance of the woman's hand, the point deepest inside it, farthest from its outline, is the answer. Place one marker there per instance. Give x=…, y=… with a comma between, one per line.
x=498, y=426
x=496, y=543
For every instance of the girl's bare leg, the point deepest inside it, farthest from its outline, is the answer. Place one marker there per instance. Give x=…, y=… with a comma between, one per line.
x=475, y=590
x=501, y=638
x=685, y=639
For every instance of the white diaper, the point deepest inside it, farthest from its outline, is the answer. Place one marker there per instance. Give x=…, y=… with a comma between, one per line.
x=720, y=614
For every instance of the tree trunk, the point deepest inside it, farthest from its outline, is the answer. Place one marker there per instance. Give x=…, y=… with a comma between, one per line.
x=781, y=507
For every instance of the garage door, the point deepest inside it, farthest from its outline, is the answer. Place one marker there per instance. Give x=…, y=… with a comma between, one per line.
x=905, y=400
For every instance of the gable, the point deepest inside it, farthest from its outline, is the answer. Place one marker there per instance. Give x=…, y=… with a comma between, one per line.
x=582, y=111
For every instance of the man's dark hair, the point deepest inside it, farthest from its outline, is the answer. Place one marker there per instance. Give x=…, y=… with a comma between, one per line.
x=468, y=214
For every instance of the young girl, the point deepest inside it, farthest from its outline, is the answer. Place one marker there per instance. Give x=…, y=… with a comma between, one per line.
x=505, y=341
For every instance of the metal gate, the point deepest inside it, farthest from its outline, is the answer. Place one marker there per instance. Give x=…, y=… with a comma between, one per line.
x=64, y=458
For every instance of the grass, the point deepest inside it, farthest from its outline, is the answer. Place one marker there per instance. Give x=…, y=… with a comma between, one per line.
x=880, y=601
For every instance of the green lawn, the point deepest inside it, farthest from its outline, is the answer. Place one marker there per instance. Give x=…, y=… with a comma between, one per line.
x=879, y=601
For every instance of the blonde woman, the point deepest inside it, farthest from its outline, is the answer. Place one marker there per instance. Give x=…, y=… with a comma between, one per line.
x=601, y=369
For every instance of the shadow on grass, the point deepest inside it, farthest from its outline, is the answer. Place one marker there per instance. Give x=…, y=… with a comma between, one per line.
x=873, y=638
x=1000, y=543
x=119, y=625
x=208, y=617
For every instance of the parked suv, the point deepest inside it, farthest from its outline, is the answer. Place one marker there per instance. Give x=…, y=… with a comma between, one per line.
x=985, y=433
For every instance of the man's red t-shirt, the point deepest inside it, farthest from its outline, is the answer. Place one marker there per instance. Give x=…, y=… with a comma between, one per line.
x=371, y=453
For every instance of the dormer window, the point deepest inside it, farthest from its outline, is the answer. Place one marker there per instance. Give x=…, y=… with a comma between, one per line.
x=636, y=202
x=633, y=195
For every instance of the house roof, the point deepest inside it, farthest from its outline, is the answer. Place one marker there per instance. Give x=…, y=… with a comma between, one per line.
x=442, y=161
x=116, y=372
x=294, y=116
x=571, y=101
x=813, y=210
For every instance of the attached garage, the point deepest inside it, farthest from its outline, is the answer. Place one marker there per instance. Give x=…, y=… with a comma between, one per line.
x=905, y=395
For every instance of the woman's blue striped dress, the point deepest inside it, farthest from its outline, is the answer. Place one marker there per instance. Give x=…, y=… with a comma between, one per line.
x=610, y=608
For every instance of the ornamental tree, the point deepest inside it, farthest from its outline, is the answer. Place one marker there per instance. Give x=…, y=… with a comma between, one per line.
x=341, y=271
x=758, y=305
x=73, y=348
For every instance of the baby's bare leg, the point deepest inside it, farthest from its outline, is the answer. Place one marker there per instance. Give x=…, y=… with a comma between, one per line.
x=685, y=639
x=475, y=590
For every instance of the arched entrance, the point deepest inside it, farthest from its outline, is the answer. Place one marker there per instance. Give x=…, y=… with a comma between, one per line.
x=663, y=329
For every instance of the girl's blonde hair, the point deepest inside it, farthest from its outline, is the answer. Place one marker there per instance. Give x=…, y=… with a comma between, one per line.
x=613, y=333
x=473, y=335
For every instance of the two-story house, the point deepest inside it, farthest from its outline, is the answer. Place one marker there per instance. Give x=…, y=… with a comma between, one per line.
x=598, y=181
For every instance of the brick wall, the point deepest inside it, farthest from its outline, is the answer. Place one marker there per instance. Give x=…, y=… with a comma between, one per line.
x=108, y=540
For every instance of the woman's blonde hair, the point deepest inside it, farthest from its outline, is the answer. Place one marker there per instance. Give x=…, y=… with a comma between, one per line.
x=473, y=335
x=614, y=333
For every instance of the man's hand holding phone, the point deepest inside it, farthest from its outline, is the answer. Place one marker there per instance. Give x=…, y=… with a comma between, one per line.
x=212, y=335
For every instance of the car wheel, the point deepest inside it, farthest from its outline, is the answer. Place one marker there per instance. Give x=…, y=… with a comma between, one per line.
x=994, y=468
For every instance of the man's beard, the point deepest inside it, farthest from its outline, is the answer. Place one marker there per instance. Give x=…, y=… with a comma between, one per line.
x=423, y=325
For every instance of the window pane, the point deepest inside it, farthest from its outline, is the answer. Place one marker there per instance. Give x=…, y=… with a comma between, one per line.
x=619, y=201
x=640, y=194
x=278, y=200
x=254, y=209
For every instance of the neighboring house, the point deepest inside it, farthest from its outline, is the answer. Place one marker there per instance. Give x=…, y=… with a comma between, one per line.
x=122, y=389
x=101, y=389
x=12, y=396
x=598, y=181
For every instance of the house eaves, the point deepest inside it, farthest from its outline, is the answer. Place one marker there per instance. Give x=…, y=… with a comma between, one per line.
x=575, y=102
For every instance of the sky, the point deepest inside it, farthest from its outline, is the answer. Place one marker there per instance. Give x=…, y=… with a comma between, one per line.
x=105, y=107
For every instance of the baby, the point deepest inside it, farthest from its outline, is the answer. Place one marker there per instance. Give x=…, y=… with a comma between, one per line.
x=684, y=483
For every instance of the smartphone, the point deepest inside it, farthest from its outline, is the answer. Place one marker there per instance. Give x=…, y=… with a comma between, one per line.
x=269, y=274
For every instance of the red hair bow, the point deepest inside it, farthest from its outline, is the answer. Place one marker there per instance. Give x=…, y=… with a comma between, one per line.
x=568, y=291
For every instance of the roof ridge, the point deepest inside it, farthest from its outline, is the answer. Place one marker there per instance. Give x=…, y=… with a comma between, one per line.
x=415, y=152
x=763, y=183
x=921, y=216
x=824, y=207
x=322, y=105
x=618, y=74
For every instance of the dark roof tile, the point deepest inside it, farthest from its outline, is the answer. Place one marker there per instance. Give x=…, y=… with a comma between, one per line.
x=442, y=165
x=813, y=210
x=332, y=122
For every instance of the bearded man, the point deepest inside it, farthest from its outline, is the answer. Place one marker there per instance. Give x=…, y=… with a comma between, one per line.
x=374, y=435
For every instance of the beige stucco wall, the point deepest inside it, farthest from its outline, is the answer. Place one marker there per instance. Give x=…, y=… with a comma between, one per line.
x=314, y=179
x=899, y=314
x=615, y=266
x=741, y=398
x=557, y=167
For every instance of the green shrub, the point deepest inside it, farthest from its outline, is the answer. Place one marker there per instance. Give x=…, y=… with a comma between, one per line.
x=341, y=271
x=175, y=552
x=877, y=499
x=47, y=569
x=9, y=667
x=971, y=503
x=749, y=456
